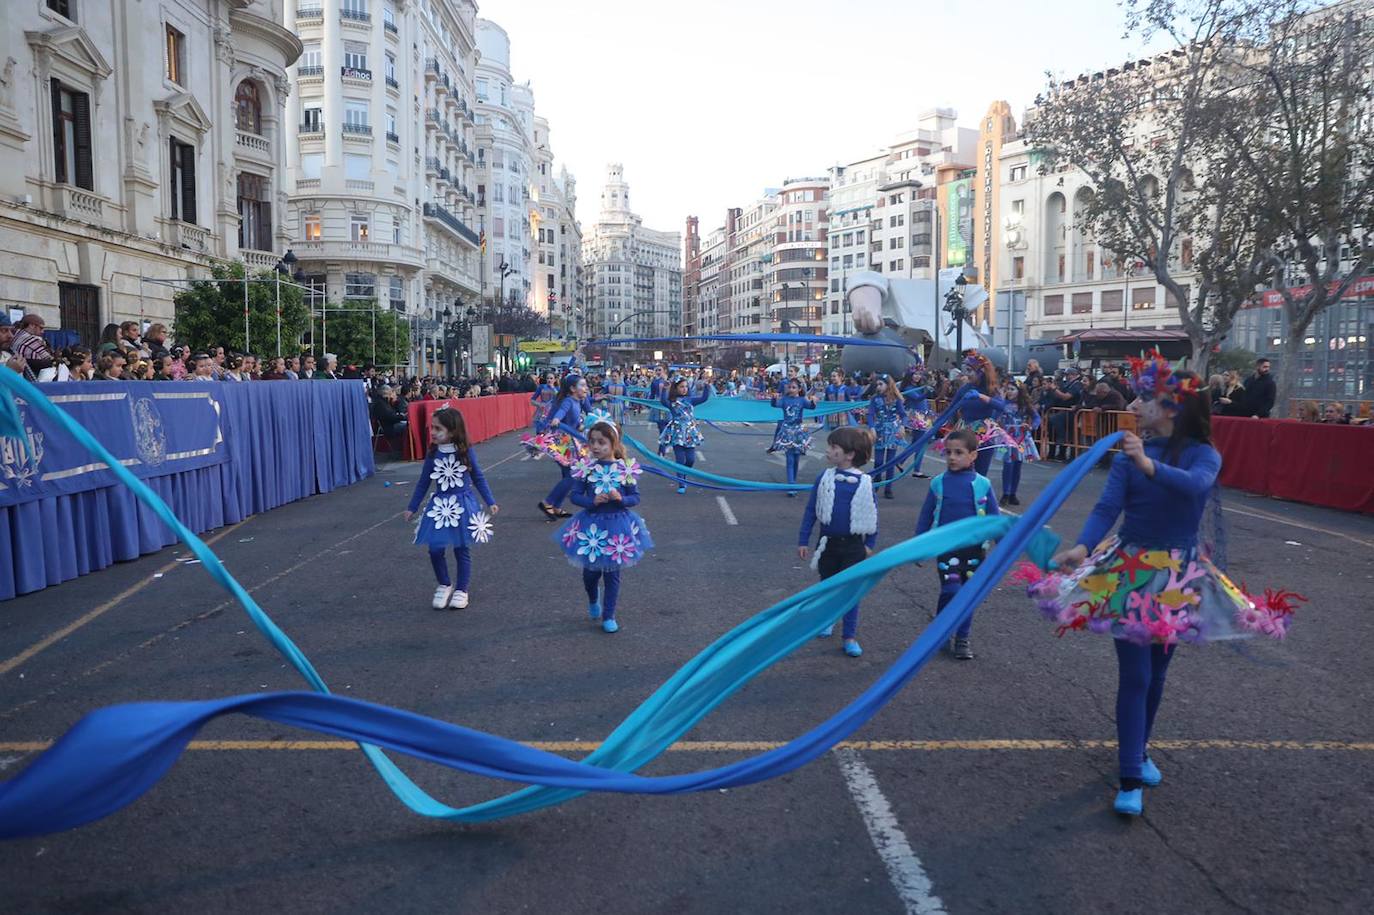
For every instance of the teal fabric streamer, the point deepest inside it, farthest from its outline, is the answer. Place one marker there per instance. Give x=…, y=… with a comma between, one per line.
x=701, y=685
x=734, y=410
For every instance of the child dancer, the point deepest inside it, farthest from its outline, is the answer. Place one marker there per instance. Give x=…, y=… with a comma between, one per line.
x=615, y=388
x=605, y=536
x=919, y=414
x=790, y=438
x=454, y=517
x=1021, y=419
x=1150, y=586
x=854, y=392
x=560, y=440
x=543, y=402
x=657, y=388
x=681, y=429
x=958, y=493
x=835, y=392
x=844, y=502
x=885, y=417
x=977, y=414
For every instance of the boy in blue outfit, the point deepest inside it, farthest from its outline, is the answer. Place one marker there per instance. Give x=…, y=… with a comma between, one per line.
x=958, y=493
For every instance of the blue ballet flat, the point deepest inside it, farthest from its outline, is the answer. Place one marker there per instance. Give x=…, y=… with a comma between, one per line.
x=827, y=632
x=1150, y=774
x=594, y=612
x=682, y=490
x=610, y=626
x=851, y=648
x=1130, y=803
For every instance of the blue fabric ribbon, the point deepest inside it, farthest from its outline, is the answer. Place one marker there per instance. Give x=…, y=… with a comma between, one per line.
x=114, y=755
x=734, y=410
x=803, y=339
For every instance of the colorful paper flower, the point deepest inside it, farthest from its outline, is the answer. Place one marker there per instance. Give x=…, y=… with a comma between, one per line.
x=446, y=511
x=581, y=467
x=479, y=525
x=448, y=473
x=622, y=549
x=570, y=532
x=604, y=478
x=592, y=543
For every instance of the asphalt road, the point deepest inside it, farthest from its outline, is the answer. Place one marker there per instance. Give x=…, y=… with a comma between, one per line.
x=984, y=787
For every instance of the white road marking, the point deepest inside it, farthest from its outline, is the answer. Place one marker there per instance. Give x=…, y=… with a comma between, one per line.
x=1265, y=516
x=725, y=510
x=908, y=877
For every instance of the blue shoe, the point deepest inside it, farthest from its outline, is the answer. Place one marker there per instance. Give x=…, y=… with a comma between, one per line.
x=610, y=626
x=827, y=632
x=1150, y=774
x=594, y=612
x=682, y=490
x=1130, y=803
x=851, y=648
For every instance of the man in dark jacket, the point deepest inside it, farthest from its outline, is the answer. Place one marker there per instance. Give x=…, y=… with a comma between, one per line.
x=1260, y=392
x=387, y=414
x=1067, y=393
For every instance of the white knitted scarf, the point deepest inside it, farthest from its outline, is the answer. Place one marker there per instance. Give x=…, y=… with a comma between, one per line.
x=863, y=510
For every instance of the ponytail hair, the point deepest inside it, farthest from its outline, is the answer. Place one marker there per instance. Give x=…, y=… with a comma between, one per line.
x=1192, y=418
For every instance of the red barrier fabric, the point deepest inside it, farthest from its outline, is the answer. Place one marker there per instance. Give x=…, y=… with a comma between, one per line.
x=485, y=417
x=1315, y=463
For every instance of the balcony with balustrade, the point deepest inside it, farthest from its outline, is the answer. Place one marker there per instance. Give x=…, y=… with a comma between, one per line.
x=441, y=215
x=253, y=147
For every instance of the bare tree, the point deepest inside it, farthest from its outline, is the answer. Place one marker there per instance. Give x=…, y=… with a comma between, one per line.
x=1239, y=156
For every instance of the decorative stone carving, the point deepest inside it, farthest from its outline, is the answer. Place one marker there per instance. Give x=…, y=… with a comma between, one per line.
x=7, y=85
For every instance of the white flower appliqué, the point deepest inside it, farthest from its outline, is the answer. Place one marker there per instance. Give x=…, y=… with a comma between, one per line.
x=446, y=512
x=479, y=525
x=448, y=473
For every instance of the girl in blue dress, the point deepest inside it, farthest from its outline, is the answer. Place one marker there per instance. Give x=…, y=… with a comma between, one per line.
x=543, y=402
x=790, y=438
x=1021, y=419
x=886, y=415
x=657, y=389
x=605, y=536
x=454, y=516
x=854, y=392
x=562, y=440
x=835, y=393
x=981, y=413
x=681, y=430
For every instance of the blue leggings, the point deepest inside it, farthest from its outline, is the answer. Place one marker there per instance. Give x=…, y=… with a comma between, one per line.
x=1140, y=686
x=881, y=457
x=590, y=579
x=560, y=489
x=1011, y=477
x=662, y=424
x=793, y=460
x=436, y=558
x=687, y=457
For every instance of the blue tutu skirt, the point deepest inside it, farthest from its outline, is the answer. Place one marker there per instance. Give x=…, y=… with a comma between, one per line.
x=791, y=439
x=453, y=520
x=604, y=541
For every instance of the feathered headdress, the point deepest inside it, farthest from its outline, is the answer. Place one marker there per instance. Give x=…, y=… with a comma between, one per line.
x=1153, y=378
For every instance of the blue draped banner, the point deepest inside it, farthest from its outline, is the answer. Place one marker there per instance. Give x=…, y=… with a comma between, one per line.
x=216, y=452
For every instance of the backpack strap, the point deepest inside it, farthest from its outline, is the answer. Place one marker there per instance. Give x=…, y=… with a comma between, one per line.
x=937, y=489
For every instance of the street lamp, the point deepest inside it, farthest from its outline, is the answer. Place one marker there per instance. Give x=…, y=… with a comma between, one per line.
x=284, y=268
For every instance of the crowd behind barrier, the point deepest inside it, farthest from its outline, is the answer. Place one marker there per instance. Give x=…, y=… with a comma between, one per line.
x=485, y=417
x=217, y=453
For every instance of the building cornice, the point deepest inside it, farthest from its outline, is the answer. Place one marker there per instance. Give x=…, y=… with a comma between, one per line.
x=268, y=32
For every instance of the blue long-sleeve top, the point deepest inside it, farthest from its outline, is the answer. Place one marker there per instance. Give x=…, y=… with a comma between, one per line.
x=846, y=487
x=853, y=391
x=656, y=388
x=545, y=393
x=958, y=502
x=696, y=399
x=584, y=495
x=792, y=408
x=880, y=410
x=976, y=409
x=919, y=397
x=473, y=473
x=1014, y=416
x=1163, y=511
x=567, y=416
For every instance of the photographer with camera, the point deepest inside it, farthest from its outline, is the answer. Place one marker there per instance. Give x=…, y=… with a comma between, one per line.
x=1066, y=391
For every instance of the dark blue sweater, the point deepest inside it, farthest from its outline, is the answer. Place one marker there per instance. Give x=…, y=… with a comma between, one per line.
x=584, y=495
x=958, y=503
x=975, y=409
x=1163, y=511
x=846, y=487
x=473, y=473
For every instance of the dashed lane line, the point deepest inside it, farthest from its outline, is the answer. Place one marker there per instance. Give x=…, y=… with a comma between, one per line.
x=760, y=746
x=725, y=510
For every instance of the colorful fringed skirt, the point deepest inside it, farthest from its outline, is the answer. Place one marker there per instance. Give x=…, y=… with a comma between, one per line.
x=1024, y=448
x=604, y=541
x=557, y=444
x=1154, y=596
x=990, y=435
x=887, y=435
x=918, y=422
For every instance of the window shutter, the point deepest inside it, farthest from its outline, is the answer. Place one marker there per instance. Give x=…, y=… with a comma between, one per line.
x=174, y=164
x=188, y=183
x=265, y=230
x=84, y=175
x=59, y=161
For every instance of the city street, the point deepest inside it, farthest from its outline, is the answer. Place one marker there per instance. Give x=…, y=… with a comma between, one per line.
x=986, y=786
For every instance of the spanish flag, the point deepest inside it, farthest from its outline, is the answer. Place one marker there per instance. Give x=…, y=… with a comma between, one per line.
x=482, y=241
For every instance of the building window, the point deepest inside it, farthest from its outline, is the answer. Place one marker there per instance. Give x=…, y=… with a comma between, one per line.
x=66, y=8
x=356, y=116
x=311, y=227
x=316, y=286
x=311, y=164
x=360, y=231
x=360, y=286
x=176, y=56
x=1018, y=207
x=395, y=232
x=1054, y=304
x=355, y=9
x=398, y=293
x=312, y=121
x=355, y=55
x=79, y=307
x=897, y=265
x=391, y=66
x=1018, y=268
x=483, y=90
x=1018, y=172
x=389, y=16
x=310, y=58
x=357, y=168
x=1082, y=303
x=1142, y=298
x=255, y=213
x=1111, y=300
x=182, y=193
x=71, y=128
x=248, y=107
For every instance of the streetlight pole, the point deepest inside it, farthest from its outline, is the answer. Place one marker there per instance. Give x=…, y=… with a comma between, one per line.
x=288, y=261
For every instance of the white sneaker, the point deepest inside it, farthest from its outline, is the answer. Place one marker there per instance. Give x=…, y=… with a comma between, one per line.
x=460, y=600
x=442, y=595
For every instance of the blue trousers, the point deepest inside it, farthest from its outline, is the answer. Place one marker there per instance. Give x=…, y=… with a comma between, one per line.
x=954, y=569
x=1140, y=686
x=464, y=555
x=591, y=578
x=1011, y=477
x=560, y=489
x=793, y=460
x=687, y=457
x=881, y=457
